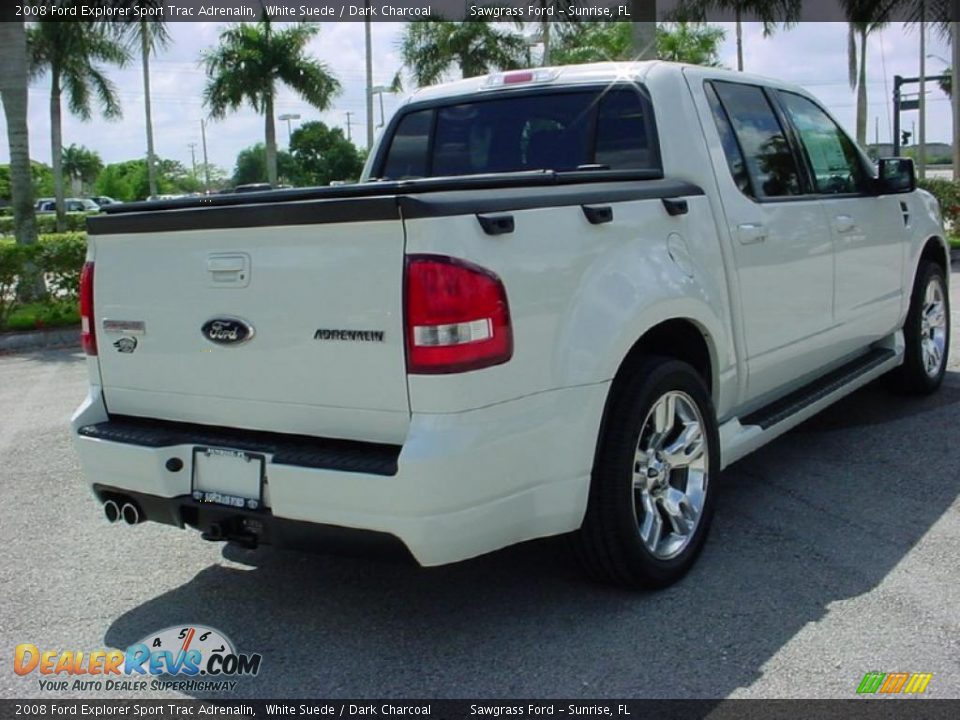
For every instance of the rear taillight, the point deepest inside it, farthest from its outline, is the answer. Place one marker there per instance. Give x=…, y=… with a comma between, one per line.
x=88, y=335
x=457, y=318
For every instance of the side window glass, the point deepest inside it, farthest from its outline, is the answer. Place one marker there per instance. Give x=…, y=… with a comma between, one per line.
x=623, y=135
x=407, y=157
x=836, y=164
x=770, y=162
x=735, y=161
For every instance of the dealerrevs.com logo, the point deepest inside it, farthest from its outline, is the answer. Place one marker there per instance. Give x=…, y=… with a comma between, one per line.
x=191, y=657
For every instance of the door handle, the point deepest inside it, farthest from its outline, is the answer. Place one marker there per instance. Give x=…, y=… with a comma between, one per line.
x=597, y=214
x=496, y=224
x=674, y=206
x=751, y=233
x=844, y=224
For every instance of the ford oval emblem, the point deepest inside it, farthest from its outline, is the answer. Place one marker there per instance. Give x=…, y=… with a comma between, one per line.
x=227, y=331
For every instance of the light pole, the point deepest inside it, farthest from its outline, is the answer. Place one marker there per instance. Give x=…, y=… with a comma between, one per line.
x=380, y=90
x=288, y=117
x=368, y=46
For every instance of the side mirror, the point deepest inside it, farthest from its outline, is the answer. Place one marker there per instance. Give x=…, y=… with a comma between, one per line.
x=895, y=175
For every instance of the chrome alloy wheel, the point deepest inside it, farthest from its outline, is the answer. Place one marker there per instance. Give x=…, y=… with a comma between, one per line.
x=933, y=328
x=670, y=474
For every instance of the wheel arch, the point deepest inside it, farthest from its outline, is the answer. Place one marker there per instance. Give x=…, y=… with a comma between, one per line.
x=681, y=338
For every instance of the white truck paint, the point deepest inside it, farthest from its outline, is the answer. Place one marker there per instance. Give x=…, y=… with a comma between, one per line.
x=781, y=291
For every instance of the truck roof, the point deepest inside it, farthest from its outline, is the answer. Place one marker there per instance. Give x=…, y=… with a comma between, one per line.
x=591, y=73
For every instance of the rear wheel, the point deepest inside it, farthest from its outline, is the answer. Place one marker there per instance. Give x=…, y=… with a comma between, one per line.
x=926, y=333
x=651, y=497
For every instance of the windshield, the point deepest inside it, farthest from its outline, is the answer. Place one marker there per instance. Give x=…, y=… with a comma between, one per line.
x=544, y=131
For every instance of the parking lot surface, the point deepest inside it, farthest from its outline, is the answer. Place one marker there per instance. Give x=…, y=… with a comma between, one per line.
x=835, y=551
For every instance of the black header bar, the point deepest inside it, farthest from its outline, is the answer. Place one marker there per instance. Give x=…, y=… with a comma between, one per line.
x=856, y=709
x=934, y=11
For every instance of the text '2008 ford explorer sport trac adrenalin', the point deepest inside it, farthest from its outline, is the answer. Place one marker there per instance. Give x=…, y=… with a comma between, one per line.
x=561, y=301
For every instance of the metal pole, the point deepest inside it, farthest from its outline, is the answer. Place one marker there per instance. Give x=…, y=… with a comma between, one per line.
x=193, y=158
x=922, y=137
x=206, y=163
x=955, y=94
x=897, y=81
x=349, y=134
x=369, y=44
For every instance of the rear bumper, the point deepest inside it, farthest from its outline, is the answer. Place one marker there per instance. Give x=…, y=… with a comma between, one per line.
x=464, y=483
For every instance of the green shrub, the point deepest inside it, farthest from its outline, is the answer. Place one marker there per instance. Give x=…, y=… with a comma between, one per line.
x=59, y=257
x=11, y=264
x=947, y=193
x=47, y=223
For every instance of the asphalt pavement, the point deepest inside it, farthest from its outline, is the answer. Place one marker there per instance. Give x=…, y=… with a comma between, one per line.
x=835, y=551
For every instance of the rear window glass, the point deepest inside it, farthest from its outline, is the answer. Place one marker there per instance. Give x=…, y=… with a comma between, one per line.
x=408, y=149
x=557, y=131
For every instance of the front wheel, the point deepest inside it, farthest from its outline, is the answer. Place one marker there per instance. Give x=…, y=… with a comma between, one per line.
x=926, y=332
x=653, y=486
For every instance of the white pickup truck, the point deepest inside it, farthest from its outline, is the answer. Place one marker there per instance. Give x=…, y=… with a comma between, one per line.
x=562, y=300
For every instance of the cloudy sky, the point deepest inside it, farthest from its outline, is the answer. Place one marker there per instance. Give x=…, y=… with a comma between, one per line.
x=812, y=55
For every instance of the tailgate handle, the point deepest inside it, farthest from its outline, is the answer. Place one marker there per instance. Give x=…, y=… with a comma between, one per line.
x=597, y=214
x=675, y=207
x=229, y=269
x=496, y=224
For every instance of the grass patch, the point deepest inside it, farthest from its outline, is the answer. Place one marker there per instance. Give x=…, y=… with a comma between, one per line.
x=955, y=241
x=40, y=316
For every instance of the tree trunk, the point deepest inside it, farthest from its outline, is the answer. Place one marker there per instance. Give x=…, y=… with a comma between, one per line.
x=739, y=41
x=56, y=150
x=151, y=158
x=862, y=92
x=271, y=133
x=545, y=39
x=13, y=91
x=643, y=15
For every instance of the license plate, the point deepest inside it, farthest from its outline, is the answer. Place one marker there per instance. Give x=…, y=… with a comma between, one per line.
x=228, y=477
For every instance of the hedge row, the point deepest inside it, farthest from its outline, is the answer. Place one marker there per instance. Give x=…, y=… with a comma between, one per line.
x=58, y=257
x=947, y=193
x=47, y=223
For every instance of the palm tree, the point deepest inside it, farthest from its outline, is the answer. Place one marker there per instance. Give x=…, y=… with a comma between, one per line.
x=81, y=165
x=148, y=36
x=643, y=26
x=695, y=43
x=68, y=51
x=13, y=92
x=248, y=63
x=430, y=48
x=771, y=14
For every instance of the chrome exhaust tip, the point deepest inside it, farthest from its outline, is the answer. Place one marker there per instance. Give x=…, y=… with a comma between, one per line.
x=111, y=511
x=131, y=516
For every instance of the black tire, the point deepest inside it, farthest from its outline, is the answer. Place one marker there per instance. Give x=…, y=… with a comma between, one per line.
x=912, y=377
x=609, y=543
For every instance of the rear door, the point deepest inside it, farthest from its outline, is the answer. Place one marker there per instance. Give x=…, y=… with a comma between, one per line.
x=781, y=241
x=283, y=317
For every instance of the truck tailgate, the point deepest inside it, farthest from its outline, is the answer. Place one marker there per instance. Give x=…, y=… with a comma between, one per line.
x=287, y=328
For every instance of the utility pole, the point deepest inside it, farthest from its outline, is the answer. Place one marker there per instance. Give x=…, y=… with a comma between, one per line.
x=349, y=133
x=206, y=163
x=876, y=132
x=193, y=158
x=369, y=45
